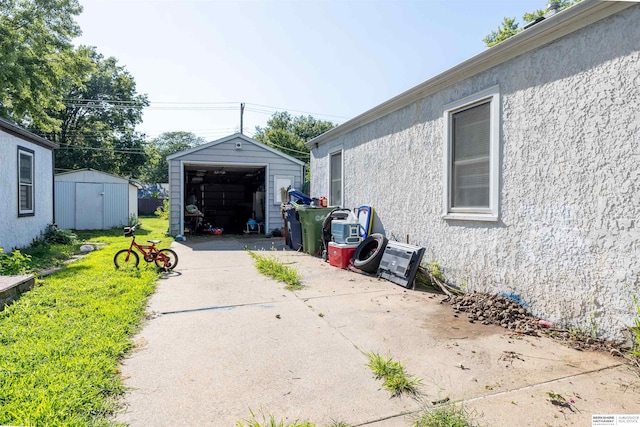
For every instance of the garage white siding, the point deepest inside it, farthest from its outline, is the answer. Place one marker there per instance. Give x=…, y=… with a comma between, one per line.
x=235, y=150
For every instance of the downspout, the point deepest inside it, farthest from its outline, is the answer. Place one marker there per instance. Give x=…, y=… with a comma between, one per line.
x=53, y=185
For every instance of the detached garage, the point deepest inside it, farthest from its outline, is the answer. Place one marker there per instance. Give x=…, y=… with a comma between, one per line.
x=231, y=181
x=88, y=199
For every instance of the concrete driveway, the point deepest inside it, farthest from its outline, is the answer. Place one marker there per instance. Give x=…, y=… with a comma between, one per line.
x=222, y=340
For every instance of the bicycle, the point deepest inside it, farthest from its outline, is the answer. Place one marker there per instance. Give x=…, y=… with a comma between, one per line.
x=165, y=259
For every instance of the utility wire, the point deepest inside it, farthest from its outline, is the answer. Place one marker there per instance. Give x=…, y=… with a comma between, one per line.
x=79, y=147
x=174, y=105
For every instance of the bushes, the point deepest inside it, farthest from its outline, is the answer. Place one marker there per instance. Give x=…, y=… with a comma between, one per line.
x=163, y=211
x=14, y=263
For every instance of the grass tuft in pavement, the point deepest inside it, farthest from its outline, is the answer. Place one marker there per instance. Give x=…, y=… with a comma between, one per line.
x=449, y=415
x=271, y=267
x=396, y=380
x=270, y=421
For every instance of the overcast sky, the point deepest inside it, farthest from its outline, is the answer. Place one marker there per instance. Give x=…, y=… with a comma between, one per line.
x=333, y=59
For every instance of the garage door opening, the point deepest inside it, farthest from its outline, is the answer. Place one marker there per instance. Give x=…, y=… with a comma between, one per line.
x=228, y=196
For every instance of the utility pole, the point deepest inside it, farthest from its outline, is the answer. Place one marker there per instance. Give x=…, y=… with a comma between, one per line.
x=241, y=115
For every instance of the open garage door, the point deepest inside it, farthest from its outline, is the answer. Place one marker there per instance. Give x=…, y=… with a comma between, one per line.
x=228, y=196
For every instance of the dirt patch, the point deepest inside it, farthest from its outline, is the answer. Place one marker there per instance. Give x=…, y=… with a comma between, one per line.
x=498, y=310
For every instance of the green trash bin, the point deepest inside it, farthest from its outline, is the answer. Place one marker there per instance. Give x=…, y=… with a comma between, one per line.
x=311, y=220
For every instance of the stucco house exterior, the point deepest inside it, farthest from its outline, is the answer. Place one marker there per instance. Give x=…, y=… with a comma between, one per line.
x=517, y=169
x=231, y=180
x=26, y=185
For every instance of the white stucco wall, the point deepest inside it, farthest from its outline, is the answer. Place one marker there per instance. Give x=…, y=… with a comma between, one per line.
x=568, y=236
x=15, y=231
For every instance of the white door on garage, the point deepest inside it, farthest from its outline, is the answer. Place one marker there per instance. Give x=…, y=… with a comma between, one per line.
x=89, y=206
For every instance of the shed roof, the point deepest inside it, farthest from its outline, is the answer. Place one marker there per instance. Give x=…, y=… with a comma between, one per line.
x=78, y=171
x=552, y=28
x=15, y=130
x=230, y=138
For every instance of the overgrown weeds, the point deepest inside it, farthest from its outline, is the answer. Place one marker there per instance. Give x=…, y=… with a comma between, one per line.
x=449, y=415
x=270, y=421
x=60, y=343
x=50, y=249
x=392, y=372
x=636, y=330
x=14, y=263
x=271, y=267
x=162, y=212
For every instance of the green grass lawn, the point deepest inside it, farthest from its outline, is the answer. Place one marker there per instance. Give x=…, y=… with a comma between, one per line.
x=61, y=343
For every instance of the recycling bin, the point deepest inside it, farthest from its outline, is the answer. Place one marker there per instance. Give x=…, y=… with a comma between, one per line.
x=294, y=228
x=311, y=219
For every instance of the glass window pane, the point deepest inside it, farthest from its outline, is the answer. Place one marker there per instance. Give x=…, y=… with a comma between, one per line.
x=471, y=157
x=25, y=168
x=336, y=179
x=26, y=198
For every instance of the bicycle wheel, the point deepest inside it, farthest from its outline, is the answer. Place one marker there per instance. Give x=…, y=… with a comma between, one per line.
x=125, y=259
x=166, y=259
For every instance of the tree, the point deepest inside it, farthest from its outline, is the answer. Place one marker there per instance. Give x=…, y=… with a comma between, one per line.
x=156, y=169
x=97, y=123
x=288, y=134
x=36, y=56
x=509, y=26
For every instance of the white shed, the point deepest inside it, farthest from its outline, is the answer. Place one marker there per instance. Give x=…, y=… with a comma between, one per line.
x=88, y=199
x=231, y=180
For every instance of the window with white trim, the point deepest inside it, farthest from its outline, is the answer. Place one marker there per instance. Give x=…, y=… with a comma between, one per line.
x=335, y=178
x=281, y=184
x=25, y=182
x=472, y=157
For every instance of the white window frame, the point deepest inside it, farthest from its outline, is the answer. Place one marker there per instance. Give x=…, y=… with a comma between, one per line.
x=277, y=196
x=332, y=202
x=491, y=213
x=31, y=154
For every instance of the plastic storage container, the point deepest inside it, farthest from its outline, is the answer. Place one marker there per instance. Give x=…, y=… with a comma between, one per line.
x=295, y=229
x=340, y=254
x=311, y=220
x=345, y=231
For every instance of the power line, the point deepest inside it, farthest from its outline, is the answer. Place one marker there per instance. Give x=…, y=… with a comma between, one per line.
x=298, y=111
x=188, y=105
x=78, y=147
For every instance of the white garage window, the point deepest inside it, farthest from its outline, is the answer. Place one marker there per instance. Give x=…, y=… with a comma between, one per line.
x=25, y=182
x=280, y=186
x=472, y=159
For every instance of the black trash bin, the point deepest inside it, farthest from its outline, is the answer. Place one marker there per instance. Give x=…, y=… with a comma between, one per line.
x=295, y=229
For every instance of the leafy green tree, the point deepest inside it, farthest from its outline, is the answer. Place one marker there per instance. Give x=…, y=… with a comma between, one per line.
x=156, y=169
x=510, y=27
x=101, y=110
x=288, y=134
x=36, y=57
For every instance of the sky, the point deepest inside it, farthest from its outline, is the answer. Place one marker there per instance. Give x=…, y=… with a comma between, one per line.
x=332, y=59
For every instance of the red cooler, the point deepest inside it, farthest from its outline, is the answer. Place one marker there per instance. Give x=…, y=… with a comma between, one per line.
x=341, y=253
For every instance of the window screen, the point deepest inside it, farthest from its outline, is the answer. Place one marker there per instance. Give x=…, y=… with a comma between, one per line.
x=471, y=157
x=336, y=179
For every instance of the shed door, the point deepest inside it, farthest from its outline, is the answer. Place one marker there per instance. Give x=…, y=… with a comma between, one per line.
x=89, y=206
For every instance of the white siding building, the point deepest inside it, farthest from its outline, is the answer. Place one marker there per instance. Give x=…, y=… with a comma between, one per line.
x=88, y=199
x=26, y=185
x=231, y=180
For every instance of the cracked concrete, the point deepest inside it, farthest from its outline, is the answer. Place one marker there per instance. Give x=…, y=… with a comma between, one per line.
x=222, y=340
